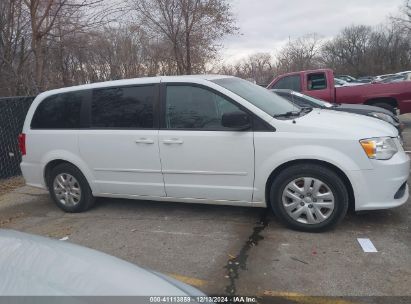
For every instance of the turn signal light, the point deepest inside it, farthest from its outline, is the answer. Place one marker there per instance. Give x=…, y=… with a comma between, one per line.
x=369, y=147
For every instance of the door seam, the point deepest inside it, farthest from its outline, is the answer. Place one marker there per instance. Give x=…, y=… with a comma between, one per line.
x=161, y=163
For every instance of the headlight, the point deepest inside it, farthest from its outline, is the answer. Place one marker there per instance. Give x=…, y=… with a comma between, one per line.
x=383, y=116
x=379, y=148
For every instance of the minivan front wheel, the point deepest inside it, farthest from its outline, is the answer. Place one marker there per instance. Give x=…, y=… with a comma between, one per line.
x=309, y=197
x=69, y=188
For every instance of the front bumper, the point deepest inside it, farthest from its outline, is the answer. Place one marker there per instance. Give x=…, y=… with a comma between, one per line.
x=383, y=186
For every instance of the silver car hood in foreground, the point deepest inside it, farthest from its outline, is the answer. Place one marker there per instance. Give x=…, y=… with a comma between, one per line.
x=34, y=265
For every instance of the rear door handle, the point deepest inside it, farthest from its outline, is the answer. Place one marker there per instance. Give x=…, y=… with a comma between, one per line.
x=144, y=141
x=172, y=141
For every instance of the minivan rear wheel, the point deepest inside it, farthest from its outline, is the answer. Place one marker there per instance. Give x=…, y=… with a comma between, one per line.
x=69, y=188
x=309, y=197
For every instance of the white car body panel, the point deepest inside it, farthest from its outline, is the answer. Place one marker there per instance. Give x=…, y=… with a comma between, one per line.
x=127, y=161
x=208, y=164
x=217, y=167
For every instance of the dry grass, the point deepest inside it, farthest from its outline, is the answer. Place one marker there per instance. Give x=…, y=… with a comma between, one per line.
x=7, y=185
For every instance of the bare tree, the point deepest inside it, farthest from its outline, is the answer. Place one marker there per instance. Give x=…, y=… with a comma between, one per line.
x=14, y=53
x=192, y=27
x=52, y=43
x=257, y=67
x=43, y=15
x=52, y=20
x=300, y=54
x=348, y=50
x=404, y=18
x=361, y=50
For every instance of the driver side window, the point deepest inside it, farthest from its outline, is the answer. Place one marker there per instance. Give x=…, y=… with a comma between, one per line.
x=190, y=107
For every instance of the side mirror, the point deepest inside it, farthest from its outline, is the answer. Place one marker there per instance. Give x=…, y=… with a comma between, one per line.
x=238, y=120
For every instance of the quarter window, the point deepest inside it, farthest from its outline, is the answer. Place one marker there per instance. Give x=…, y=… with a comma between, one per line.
x=123, y=107
x=60, y=111
x=189, y=107
x=292, y=82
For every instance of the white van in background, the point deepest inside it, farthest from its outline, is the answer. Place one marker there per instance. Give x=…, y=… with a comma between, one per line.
x=210, y=139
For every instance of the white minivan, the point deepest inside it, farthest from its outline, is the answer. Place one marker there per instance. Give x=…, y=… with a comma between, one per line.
x=210, y=139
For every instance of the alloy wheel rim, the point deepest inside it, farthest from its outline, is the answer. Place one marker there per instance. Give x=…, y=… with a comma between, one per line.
x=308, y=200
x=67, y=189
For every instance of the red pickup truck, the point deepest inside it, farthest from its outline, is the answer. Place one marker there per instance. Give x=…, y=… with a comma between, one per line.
x=320, y=84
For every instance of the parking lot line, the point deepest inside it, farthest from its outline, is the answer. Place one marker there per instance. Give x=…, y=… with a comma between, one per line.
x=304, y=299
x=188, y=280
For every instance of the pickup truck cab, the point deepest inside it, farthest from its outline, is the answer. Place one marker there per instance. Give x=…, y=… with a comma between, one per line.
x=210, y=139
x=320, y=84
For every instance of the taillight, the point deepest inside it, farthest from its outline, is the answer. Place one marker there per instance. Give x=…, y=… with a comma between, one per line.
x=22, y=143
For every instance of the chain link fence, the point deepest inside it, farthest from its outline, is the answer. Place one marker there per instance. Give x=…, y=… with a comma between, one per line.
x=13, y=111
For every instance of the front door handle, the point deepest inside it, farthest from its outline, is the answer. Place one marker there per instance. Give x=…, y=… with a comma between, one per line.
x=144, y=141
x=172, y=141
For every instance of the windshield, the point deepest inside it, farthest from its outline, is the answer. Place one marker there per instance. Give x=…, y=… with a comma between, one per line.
x=313, y=100
x=262, y=98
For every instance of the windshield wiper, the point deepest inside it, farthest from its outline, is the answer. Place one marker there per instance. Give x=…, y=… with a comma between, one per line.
x=305, y=109
x=294, y=113
x=288, y=114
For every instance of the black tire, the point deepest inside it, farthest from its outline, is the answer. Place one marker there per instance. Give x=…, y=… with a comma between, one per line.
x=386, y=106
x=324, y=174
x=86, y=199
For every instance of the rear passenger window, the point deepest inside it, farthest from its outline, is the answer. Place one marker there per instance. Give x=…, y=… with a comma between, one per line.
x=60, y=111
x=123, y=107
x=316, y=81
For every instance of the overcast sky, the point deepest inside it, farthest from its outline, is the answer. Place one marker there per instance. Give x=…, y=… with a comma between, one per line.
x=266, y=25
